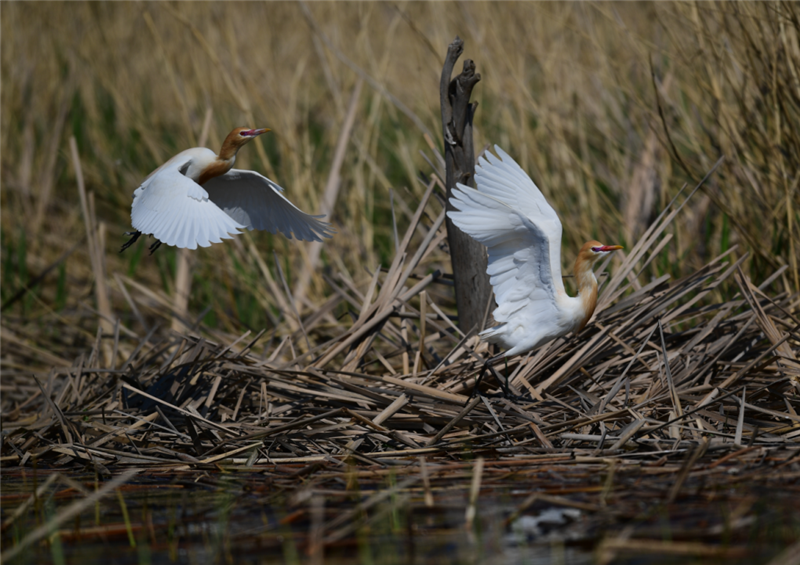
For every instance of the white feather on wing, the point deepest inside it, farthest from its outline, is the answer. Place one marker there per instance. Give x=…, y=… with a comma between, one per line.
x=177, y=210
x=506, y=181
x=518, y=251
x=257, y=203
x=522, y=233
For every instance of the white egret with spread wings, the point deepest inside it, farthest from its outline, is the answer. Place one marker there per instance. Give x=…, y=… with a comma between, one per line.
x=197, y=198
x=510, y=216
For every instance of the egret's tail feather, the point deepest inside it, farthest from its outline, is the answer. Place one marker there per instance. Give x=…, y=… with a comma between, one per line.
x=493, y=334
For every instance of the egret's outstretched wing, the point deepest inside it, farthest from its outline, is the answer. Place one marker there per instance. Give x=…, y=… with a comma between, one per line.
x=510, y=216
x=177, y=211
x=505, y=180
x=256, y=202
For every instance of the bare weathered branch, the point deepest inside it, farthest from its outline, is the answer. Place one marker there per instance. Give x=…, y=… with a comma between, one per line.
x=473, y=290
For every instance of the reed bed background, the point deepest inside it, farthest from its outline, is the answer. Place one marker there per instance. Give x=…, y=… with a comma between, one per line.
x=319, y=367
x=611, y=108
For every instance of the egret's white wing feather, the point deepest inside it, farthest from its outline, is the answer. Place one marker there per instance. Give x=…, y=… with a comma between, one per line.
x=256, y=202
x=522, y=232
x=177, y=210
x=519, y=263
x=505, y=180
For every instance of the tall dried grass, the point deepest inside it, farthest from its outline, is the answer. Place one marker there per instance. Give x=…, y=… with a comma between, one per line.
x=610, y=107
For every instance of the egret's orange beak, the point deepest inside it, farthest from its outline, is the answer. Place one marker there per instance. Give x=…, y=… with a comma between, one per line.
x=255, y=132
x=611, y=247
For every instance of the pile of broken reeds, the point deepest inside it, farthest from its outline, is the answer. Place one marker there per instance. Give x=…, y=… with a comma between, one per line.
x=659, y=368
x=662, y=371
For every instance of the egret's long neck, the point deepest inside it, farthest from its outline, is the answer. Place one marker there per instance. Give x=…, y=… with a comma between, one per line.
x=587, y=288
x=229, y=149
x=222, y=164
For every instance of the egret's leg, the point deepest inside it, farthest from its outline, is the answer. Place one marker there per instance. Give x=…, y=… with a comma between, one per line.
x=132, y=240
x=507, y=376
x=487, y=366
x=155, y=246
x=478, y=381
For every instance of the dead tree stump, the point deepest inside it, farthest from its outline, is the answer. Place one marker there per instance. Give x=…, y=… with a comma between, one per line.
x=469, y=258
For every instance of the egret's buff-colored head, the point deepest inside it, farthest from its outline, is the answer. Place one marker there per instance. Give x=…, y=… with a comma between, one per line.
x=590, y=253
x=238, y=138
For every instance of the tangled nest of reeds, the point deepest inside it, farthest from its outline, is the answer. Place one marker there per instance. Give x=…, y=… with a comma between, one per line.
x=660, y=373
x=659, y=369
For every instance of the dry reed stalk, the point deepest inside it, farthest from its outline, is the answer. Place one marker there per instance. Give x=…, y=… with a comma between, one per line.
x=477, y=475
x=331, y=191
x=46, y=178
x=96, y=253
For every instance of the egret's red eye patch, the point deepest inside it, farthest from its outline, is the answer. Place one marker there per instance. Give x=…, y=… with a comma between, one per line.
x=597, y=249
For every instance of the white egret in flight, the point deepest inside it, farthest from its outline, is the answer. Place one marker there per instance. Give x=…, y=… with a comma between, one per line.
x=510, y=216
x=197, y=198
